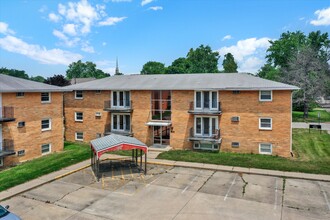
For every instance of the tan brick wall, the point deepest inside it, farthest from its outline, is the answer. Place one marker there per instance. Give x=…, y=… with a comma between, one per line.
x=91, y=103
x=30, y=138
x=141, y=102
x=182, y=121
x=247, y=106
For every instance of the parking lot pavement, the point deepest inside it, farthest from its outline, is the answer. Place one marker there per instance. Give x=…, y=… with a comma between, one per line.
x=173, y=193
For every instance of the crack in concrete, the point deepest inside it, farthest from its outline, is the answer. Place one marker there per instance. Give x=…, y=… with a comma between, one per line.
x=245, y=184
x=283, y=191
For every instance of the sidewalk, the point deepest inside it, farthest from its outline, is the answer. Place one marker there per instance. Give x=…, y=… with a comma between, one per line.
x=151, y=160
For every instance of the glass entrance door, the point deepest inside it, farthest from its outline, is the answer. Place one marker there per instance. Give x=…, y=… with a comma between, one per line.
x=162, y=135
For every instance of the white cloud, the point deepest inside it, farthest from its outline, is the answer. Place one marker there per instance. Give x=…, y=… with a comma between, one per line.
x=249, y=53
x=70, y=29
x=106, y=66
x=121, y=0
x=43, y=9
x=66, y=40
x=144, y=2
x=227, y=37
x=87, y=48
x=323, y=17
x=104, y=43
x=53, y=17
x=111, y=21
x=156, y=8
x=36, y=52
x=4, y=29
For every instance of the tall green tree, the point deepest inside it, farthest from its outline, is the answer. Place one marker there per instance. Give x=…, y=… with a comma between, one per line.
x=180, y=65
x=14, y=72
x=268, y=71
x=229, y=64
x=84, y=70
x=153, y=67
x=38, y=79
x=57, y=80
x=203, y=60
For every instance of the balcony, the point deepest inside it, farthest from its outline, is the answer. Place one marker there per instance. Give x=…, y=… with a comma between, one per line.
x=204, y=111
x=6, y=148
x=6, y=114
x=117, y=109
x=108, y=131
x=214, y=137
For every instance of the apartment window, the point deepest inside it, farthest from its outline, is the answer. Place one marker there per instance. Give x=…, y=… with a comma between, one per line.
x=121, y=99
x=206, y=100
x=79, y=136
x=206, y=126
x=46, y=124
x=265, y=123
x=265, y=96
x=161, y=102
x=265, y=148
x=45, y=97
x=79, y=116
x=19, y=94
x=79, y=94
x=206, y=146
x=21, y=153
x=236, y=92
x=98, y=91
x=121, y=122
x=45, y=148
x=1, y=162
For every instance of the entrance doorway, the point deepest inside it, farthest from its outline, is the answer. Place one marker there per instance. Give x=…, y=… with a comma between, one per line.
x=161, y=136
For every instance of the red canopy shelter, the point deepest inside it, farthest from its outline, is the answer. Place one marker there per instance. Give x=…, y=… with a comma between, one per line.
x=114, y=142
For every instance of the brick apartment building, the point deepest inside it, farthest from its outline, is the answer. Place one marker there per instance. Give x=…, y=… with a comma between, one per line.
x=227, y=112
x=31, y=119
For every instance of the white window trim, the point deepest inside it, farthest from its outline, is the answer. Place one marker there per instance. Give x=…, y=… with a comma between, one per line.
x=76, y=136
x=124, y=118
x=195, y=125
x=21, y=96
x=75, y=116
x=202, y=99
x=118, y=106
x=271, y=124
x=50, y=124
x=49, y=96
x=267, y=153
x=75, y=94
x=266, y=100
x=50, y=149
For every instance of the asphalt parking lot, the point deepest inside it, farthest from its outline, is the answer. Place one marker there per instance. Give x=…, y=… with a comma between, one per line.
x=173, y=193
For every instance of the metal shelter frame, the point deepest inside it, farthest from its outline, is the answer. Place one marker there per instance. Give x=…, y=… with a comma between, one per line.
x=116, y=142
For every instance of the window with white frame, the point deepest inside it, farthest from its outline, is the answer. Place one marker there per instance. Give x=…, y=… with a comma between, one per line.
x=206, y=146
x=265, y=123
x=121, y=99
x=206, y=100
x=45, y=97
x=121, y=122
x=79, y=94
x=206, y=126
x=265, y=95
x=46, y=124
x=79, y=116
x=20, y=94
x=265, y=148
x=79, y=136
x=45, y=148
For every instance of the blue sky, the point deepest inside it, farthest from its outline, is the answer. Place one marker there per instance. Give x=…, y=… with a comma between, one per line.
x=44, y=37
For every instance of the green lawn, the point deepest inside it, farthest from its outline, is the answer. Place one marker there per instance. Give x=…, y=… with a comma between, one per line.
x=312, y=155
x=312, y=116
x=72, y=154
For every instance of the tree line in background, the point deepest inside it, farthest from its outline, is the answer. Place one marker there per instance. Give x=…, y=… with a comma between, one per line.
x=301, y=60
x=199, y=60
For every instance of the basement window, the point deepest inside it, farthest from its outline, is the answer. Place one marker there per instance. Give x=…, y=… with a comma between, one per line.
x=265, y=148
x=235, y=144
x=45, y=148
x=21, y=153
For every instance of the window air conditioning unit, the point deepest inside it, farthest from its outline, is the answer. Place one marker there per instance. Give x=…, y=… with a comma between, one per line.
x=21, y=124
x=235, y=119
x=235, y=144
x=98, y=114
